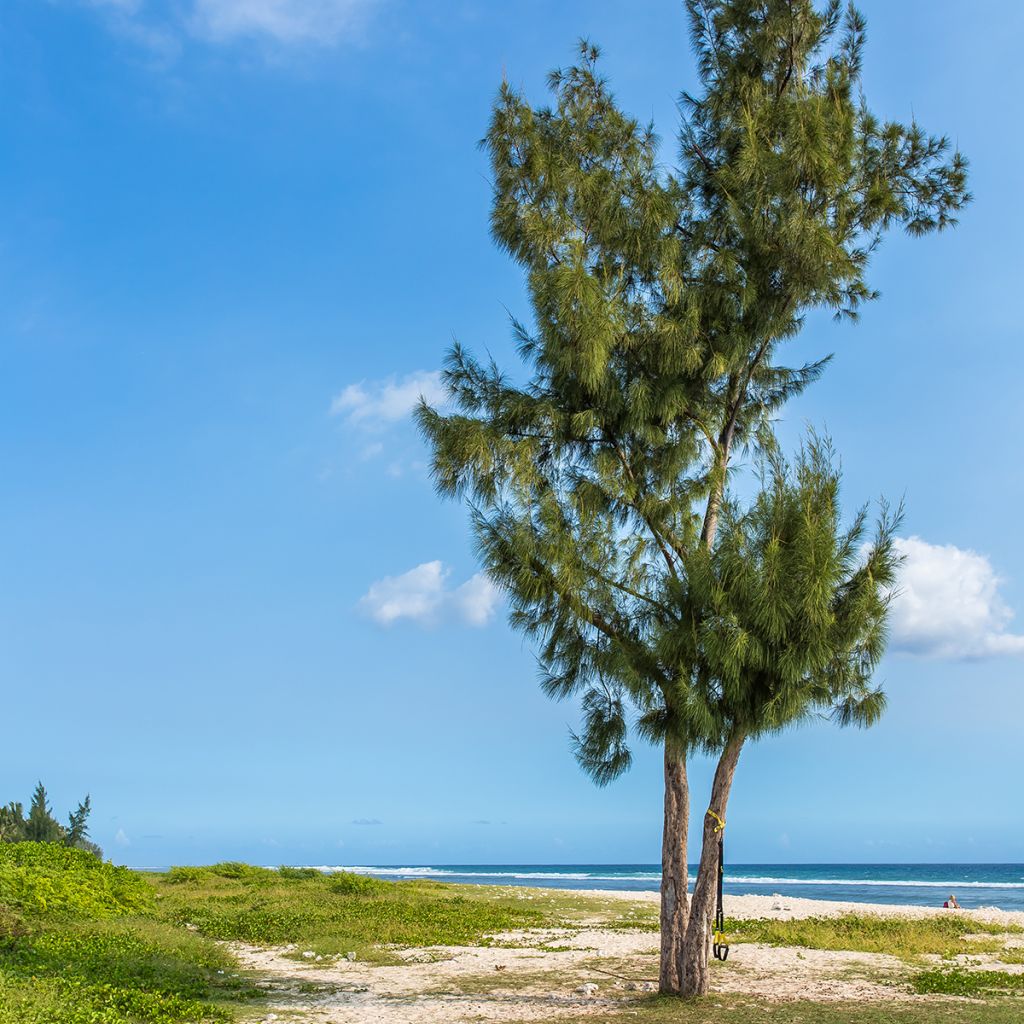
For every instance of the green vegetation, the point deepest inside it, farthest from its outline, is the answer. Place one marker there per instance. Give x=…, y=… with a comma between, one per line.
x=78, y=946
x=903, y=937
x=957, y=982
x=40, y=826
x=55, y=881
x=745, y=1010
x=83, y=942
x=113, y=973
x=340, y=913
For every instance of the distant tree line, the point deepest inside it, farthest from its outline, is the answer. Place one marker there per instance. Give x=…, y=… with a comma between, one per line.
x=40, y=826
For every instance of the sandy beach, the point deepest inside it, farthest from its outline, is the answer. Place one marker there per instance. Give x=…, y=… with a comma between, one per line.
x=787, y=908
x=583, y=971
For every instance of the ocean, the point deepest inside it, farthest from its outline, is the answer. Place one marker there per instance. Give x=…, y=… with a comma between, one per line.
x=975, y=885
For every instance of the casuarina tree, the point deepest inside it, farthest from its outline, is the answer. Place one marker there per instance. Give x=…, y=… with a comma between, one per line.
x=661, y=300
x=40, y=826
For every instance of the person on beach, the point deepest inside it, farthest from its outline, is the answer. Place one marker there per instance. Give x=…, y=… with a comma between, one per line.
x=951, y=903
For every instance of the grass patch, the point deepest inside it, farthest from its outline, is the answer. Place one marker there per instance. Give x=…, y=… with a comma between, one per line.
x=331, y=914
x=946, y=936
x=744, y=1010
x=978, y=984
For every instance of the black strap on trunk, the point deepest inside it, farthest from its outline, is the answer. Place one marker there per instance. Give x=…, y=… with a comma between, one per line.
x=720, y=944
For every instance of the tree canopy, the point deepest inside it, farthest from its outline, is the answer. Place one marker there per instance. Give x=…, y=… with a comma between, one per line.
x=40, y=826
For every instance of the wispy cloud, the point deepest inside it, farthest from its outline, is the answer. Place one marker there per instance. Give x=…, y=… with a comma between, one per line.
x=367, y=821
x=377, y=403
x=424, y=595
x=282, y=23
x=323, y=22
x=949, y=604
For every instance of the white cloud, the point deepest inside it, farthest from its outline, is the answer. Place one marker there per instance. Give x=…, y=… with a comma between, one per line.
x=423, y=595
x=284, y=21
x=375, y=403
x=477, y=600
x=948, y=604
x=122, y=838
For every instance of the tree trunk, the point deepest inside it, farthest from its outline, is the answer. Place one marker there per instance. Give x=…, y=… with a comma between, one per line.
x=674, y=872
x=702, y=907
x=718, y=475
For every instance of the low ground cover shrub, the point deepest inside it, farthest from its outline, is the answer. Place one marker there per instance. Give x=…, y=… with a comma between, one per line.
x=116, y=972
x=947, y=935
x=44, y=879
x=958, y=982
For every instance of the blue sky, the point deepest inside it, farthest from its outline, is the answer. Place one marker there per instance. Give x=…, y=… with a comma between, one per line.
x=235, y=240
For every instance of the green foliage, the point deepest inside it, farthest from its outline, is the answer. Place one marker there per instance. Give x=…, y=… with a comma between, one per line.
x=346, y=883
x=74, y=951
x=661, y=300
x=180, y=875
x=976, y=984
x=236, y=869
x=12, y=924
x=284, y=871
x=117, y=973
x=724, y=1008
x=790, y=607
x=946, y=935
x=40, y=826
x=336, y=913
x=46, y=880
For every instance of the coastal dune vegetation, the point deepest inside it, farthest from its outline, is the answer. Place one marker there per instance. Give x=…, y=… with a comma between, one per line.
x=86, y=942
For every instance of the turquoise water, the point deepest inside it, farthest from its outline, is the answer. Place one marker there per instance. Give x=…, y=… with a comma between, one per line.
x=975, y=885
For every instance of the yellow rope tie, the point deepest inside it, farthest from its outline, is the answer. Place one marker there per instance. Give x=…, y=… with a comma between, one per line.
x=720, y=827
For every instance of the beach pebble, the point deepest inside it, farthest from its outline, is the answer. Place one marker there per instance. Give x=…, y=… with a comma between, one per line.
x=350, y=957
x=589, y=989
x=308, y=955
x=192, y=927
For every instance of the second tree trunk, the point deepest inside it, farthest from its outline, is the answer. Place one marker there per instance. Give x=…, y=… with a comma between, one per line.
x=697, y=943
